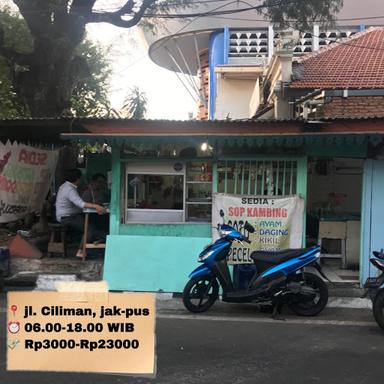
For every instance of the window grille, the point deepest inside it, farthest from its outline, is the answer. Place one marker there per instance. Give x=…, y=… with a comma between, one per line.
x=260, y=177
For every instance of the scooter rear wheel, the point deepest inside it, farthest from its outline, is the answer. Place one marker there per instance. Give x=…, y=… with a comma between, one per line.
x=378, y=308
x=200, y=293
x=318, y=303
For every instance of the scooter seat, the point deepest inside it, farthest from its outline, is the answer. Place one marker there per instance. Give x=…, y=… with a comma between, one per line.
x=277, y=257
x=379, y=255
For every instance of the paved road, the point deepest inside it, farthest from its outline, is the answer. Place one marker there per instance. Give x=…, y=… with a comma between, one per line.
x=341, y=347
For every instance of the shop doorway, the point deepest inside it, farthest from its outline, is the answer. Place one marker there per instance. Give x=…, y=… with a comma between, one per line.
x=334, y=214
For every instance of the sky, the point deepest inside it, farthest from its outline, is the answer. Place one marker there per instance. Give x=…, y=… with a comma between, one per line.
x=167, y=98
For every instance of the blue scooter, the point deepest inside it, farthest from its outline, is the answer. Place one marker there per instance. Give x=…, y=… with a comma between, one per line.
x=375, y=288
x=279, y=278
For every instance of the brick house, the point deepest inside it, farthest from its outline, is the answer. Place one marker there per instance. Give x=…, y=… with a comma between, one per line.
x=342, y=80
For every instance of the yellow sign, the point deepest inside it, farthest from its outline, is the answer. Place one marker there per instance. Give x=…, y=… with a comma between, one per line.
x=68, y=331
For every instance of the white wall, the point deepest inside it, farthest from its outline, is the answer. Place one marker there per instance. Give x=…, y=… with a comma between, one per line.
x=255, y=99
x=233, y=98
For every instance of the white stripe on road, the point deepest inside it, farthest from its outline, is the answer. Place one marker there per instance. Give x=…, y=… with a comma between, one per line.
x=311, y=321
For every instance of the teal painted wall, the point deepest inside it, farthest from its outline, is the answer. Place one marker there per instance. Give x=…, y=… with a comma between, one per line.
x=151, y=263
x=372, y=215
x=173, y=230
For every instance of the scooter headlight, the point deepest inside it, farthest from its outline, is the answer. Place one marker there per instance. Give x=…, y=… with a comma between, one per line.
x=205, y=256
x=224, y=232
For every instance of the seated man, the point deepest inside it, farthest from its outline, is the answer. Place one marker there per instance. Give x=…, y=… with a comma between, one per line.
x=96, y=191
x=69, y=207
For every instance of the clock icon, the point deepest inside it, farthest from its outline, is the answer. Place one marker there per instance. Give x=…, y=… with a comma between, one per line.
x=13, y=326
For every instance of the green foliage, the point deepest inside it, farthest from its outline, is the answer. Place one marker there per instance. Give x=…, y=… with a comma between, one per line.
x=135, y=104
x=165, y=7
x=16, y=32
x=89, y=96
x=300, y=14
x=15, y=35
x=9, y=104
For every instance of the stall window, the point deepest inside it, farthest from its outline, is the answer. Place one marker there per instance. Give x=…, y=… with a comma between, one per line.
x=168, y=192
x=155, y=191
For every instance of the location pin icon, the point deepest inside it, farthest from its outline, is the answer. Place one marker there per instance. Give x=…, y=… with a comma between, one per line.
x=13, y=309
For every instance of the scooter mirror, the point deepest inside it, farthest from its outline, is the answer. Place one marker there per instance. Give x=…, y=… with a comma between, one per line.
x=221, y=213
x=249, y=227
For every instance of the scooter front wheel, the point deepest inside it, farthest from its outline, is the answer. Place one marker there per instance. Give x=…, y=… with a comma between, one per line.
x=378, y=308
x=200, y=293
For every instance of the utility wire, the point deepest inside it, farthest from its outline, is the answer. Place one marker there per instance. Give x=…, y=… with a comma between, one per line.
x=216, y=12
x=174, y=4
x=302, y=21
x=333, y=41
x=163, y=42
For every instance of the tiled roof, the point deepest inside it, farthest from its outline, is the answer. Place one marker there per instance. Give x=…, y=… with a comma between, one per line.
x=356, y=62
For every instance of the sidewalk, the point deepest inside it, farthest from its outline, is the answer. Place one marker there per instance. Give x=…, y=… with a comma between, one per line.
x=344, y=298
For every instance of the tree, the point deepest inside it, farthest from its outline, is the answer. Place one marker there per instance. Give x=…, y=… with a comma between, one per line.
x=52, y=70
x=135, y=104
x=89, y=96
x=301, y=16
x=15, y=35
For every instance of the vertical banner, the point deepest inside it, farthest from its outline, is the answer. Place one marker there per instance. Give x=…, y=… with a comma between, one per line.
x=278, y=222
x=25, y=177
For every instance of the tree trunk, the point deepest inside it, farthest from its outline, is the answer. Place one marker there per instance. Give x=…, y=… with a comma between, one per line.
x=47, y=85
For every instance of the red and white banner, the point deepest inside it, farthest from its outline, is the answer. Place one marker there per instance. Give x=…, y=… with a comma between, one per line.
x=25, y=177
x=278, y=222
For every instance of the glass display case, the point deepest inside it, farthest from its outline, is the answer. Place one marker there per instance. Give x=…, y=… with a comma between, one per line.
x=199, y=191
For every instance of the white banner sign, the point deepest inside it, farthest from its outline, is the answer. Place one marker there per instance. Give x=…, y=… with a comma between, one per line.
x=278, y=222
x=25, y=178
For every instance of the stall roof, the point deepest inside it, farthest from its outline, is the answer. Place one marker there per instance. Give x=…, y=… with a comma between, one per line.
x=39, y=130
x=52, y=130
x=115, y=129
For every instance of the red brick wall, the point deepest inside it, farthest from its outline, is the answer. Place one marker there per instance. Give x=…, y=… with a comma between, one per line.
x=202, y=113
x=354, y=106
